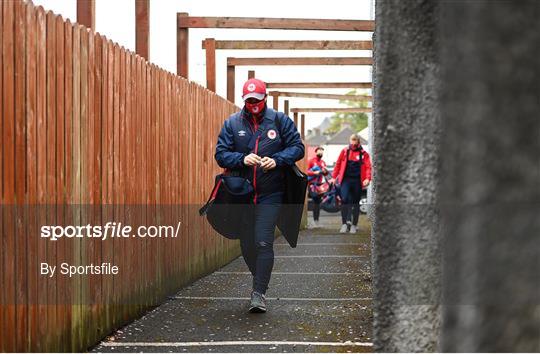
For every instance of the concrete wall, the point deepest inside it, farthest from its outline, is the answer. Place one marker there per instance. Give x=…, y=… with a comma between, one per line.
x=406, y=253
x=490, y=69
x=457, y=176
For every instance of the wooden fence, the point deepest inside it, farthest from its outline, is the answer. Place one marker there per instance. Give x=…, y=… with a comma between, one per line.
x=92, y=133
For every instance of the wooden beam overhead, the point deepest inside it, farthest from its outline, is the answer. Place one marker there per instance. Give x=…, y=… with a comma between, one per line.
x=321, y=95
x=294, y=45
x=294, y=85
x=329, y=110
x=277, y=23
x=142, y=28
x=301, y=61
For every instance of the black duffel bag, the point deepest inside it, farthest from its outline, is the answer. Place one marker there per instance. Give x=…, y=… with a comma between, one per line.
x=230, y=206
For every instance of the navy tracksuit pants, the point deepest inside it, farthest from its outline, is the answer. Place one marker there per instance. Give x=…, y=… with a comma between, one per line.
x=258, y=245
x=351, y=193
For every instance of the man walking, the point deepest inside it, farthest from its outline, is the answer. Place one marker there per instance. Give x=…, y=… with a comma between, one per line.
x=258, y=143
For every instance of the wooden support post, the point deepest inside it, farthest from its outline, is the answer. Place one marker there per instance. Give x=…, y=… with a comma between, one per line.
x=86, y=13
x=210, y=47
x=251, y=74
x=303, y=124
x=286, y=108
x=142, y=28
x=295, y=119
x=230, y=82
x=182, y=45
x=275, y=102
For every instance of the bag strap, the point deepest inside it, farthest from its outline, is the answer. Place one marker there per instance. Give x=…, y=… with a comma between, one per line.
x=217, y=184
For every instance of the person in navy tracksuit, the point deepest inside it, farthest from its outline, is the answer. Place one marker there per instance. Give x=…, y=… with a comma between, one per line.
x=257, y=143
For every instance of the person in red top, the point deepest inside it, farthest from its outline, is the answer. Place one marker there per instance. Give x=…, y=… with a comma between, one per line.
x=316, y=172
x=353, y=173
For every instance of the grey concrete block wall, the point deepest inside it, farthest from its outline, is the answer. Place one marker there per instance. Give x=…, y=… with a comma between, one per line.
x=490, y=74
x=406, y=241
x=456, y=213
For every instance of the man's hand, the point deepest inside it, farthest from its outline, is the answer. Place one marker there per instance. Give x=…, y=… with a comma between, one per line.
x=252, y=160
x=365, y=183
x=267, y=163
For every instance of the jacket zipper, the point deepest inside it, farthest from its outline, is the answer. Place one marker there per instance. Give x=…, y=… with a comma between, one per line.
x=255, y=128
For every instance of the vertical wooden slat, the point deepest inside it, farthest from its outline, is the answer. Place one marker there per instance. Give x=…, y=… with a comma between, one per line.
x=182, y=46
x=115, y=183
x=8, y=156
x=295, y=119
x=86, y=13
x=142, y=28
x=20, y=252
x=51, y=169
x=31, y=175
x=75, y=183
x=68, y=162
x=106, y=170
x=61, y=282
x=210, y=48
x=230, y=83
x=275, y=102
x=92, y=173
x=3, y=303
x=286, y=107
x=83, y=136
x=251, y=74
x=41, y=138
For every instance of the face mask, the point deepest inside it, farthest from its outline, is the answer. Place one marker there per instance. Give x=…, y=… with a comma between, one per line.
x=255, y=108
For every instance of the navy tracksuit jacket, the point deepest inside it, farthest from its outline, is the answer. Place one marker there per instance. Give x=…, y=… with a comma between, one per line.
x=275, y=136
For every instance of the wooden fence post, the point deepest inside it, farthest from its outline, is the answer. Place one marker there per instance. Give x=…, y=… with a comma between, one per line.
x=210, y=48
x=86, y=13
x=142, y=28
x=230, y=82
x=182, y=46
x=303, y=124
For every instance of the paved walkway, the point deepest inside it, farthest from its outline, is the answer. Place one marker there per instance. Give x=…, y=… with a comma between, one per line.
x=319, y=300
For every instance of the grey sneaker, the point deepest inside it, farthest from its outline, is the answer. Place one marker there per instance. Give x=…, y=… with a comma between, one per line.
x=343, y=229
x=258, y=303
x=353, y=229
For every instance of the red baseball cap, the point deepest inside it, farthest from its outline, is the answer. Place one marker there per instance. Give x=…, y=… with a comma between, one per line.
x=254, y=88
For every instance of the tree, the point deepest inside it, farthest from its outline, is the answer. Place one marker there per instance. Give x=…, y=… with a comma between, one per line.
x=358, y=121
